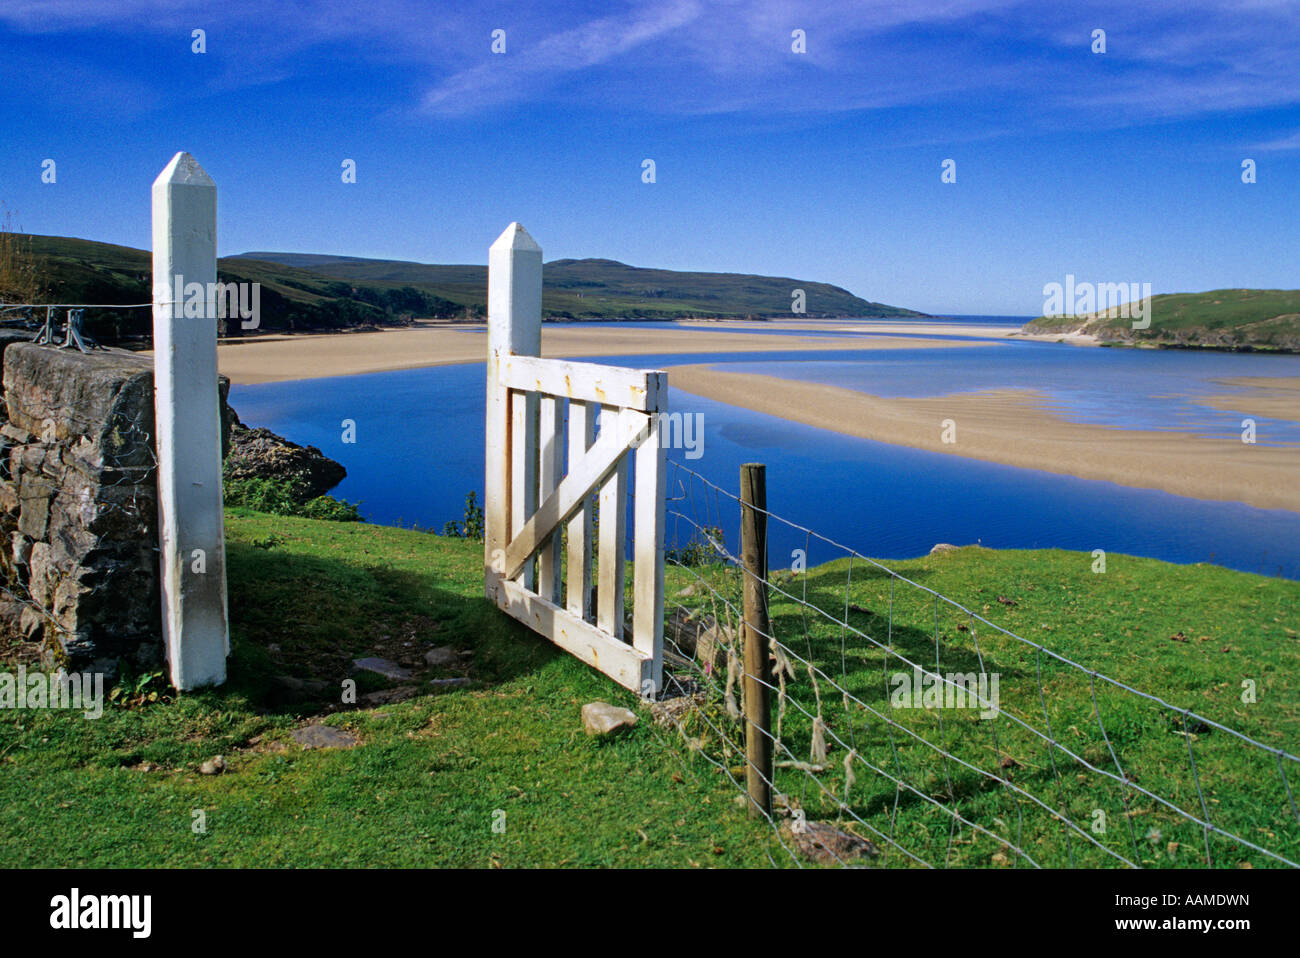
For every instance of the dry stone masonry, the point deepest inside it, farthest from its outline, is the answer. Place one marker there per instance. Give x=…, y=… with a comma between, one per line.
x=79, y=507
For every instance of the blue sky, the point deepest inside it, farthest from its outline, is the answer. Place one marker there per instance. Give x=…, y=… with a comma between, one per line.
x=1115, y=167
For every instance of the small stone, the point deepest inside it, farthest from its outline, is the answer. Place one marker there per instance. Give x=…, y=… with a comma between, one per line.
x=441, y=656
x=826, y=844
x=323, y=736
x=388, y=696
x=456, y=683
x=389, y=670
x=291, y=682
x=600, y=718
x=213, y=766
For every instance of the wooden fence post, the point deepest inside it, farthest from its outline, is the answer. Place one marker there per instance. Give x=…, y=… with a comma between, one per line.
x=187, y=412
x=514, y=328
x=756, y=630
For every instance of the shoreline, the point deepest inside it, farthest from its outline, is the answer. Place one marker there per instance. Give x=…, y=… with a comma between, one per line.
x=277, y=357
x=1007, y=426
x=1012, y=427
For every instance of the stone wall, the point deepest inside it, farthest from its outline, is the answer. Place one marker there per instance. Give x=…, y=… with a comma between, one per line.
x=78, y=507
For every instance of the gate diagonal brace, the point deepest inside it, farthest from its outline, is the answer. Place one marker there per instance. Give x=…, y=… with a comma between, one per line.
x=598, y=462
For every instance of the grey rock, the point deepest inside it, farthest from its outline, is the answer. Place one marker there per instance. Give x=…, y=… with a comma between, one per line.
x=389, y=670
x=822, y=842
x=261, y=454
x=388, y=696
x=702, y=638
x=323, y=736
x=601, y=718
x=456, y=683
x=441, y=656
x=213, y=766
x=943, y=547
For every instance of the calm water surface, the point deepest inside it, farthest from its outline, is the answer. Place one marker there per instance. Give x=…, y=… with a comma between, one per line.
x=419, y=450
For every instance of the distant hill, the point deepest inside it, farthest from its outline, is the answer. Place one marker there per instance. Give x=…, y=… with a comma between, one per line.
x=1264, y=319
x=85, y=271
x=607, y=289
x=303, y=291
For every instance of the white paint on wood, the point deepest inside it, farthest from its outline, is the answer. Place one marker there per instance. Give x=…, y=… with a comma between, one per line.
x=550, y=471
x=626, y=665
x=582, y=433
x=612, y=533
x=606, y=456
x=188, y=427
x=648, y=546
x=514, y=327
x=526, y=397
x=591, y=382
x=523, y=470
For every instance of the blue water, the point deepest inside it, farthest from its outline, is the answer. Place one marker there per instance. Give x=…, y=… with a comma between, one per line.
x=419, y=449
x=1126, y=388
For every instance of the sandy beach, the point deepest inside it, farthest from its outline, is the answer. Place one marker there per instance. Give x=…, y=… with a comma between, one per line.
x=1006, y=426
x=1011, y=427
x=277, y=358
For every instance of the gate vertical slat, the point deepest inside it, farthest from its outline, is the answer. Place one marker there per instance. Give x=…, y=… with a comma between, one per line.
x=582, y=433
x=612, y=533
x=648, y=543
x=550, y=472
x=523, y=468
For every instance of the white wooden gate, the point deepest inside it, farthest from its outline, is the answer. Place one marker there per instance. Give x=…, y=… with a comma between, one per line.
x=538, y=547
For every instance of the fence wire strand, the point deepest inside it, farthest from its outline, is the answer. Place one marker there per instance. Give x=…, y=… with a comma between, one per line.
x=859, y=780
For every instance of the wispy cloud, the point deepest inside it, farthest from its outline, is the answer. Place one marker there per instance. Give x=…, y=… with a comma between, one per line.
x=1165, y=58
x=1291, y=142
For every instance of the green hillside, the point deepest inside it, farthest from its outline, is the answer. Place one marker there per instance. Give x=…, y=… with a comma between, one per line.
x=606, y=289
x=1266, y=319
x=84, y=271
x=308, y=292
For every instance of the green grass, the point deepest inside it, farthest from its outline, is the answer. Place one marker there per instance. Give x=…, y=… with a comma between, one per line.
x=1119, y=623
x=309, y=292
x=604, y=288
x=1222, y=318
x=305, y=598
x=421, y=789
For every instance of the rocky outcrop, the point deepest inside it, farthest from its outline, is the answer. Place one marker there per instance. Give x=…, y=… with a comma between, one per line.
x=261, y=454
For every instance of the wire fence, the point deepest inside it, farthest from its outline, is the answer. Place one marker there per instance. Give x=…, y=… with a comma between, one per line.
x=78, y=504
x=911, y=730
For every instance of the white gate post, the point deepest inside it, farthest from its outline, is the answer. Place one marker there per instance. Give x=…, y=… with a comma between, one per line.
x=191, y=529
x=514, y=328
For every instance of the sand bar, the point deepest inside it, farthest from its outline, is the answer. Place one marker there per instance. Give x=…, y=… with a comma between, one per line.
x=275, y=358
x=1274, y=397
x=1011, y=426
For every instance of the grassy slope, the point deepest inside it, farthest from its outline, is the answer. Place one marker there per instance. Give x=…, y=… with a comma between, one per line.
x=308, y=596
x=422, y=788
x=610, y=289
x=84, y=271
x=301, y=291
x=1262, y=318
x=1237, y=626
